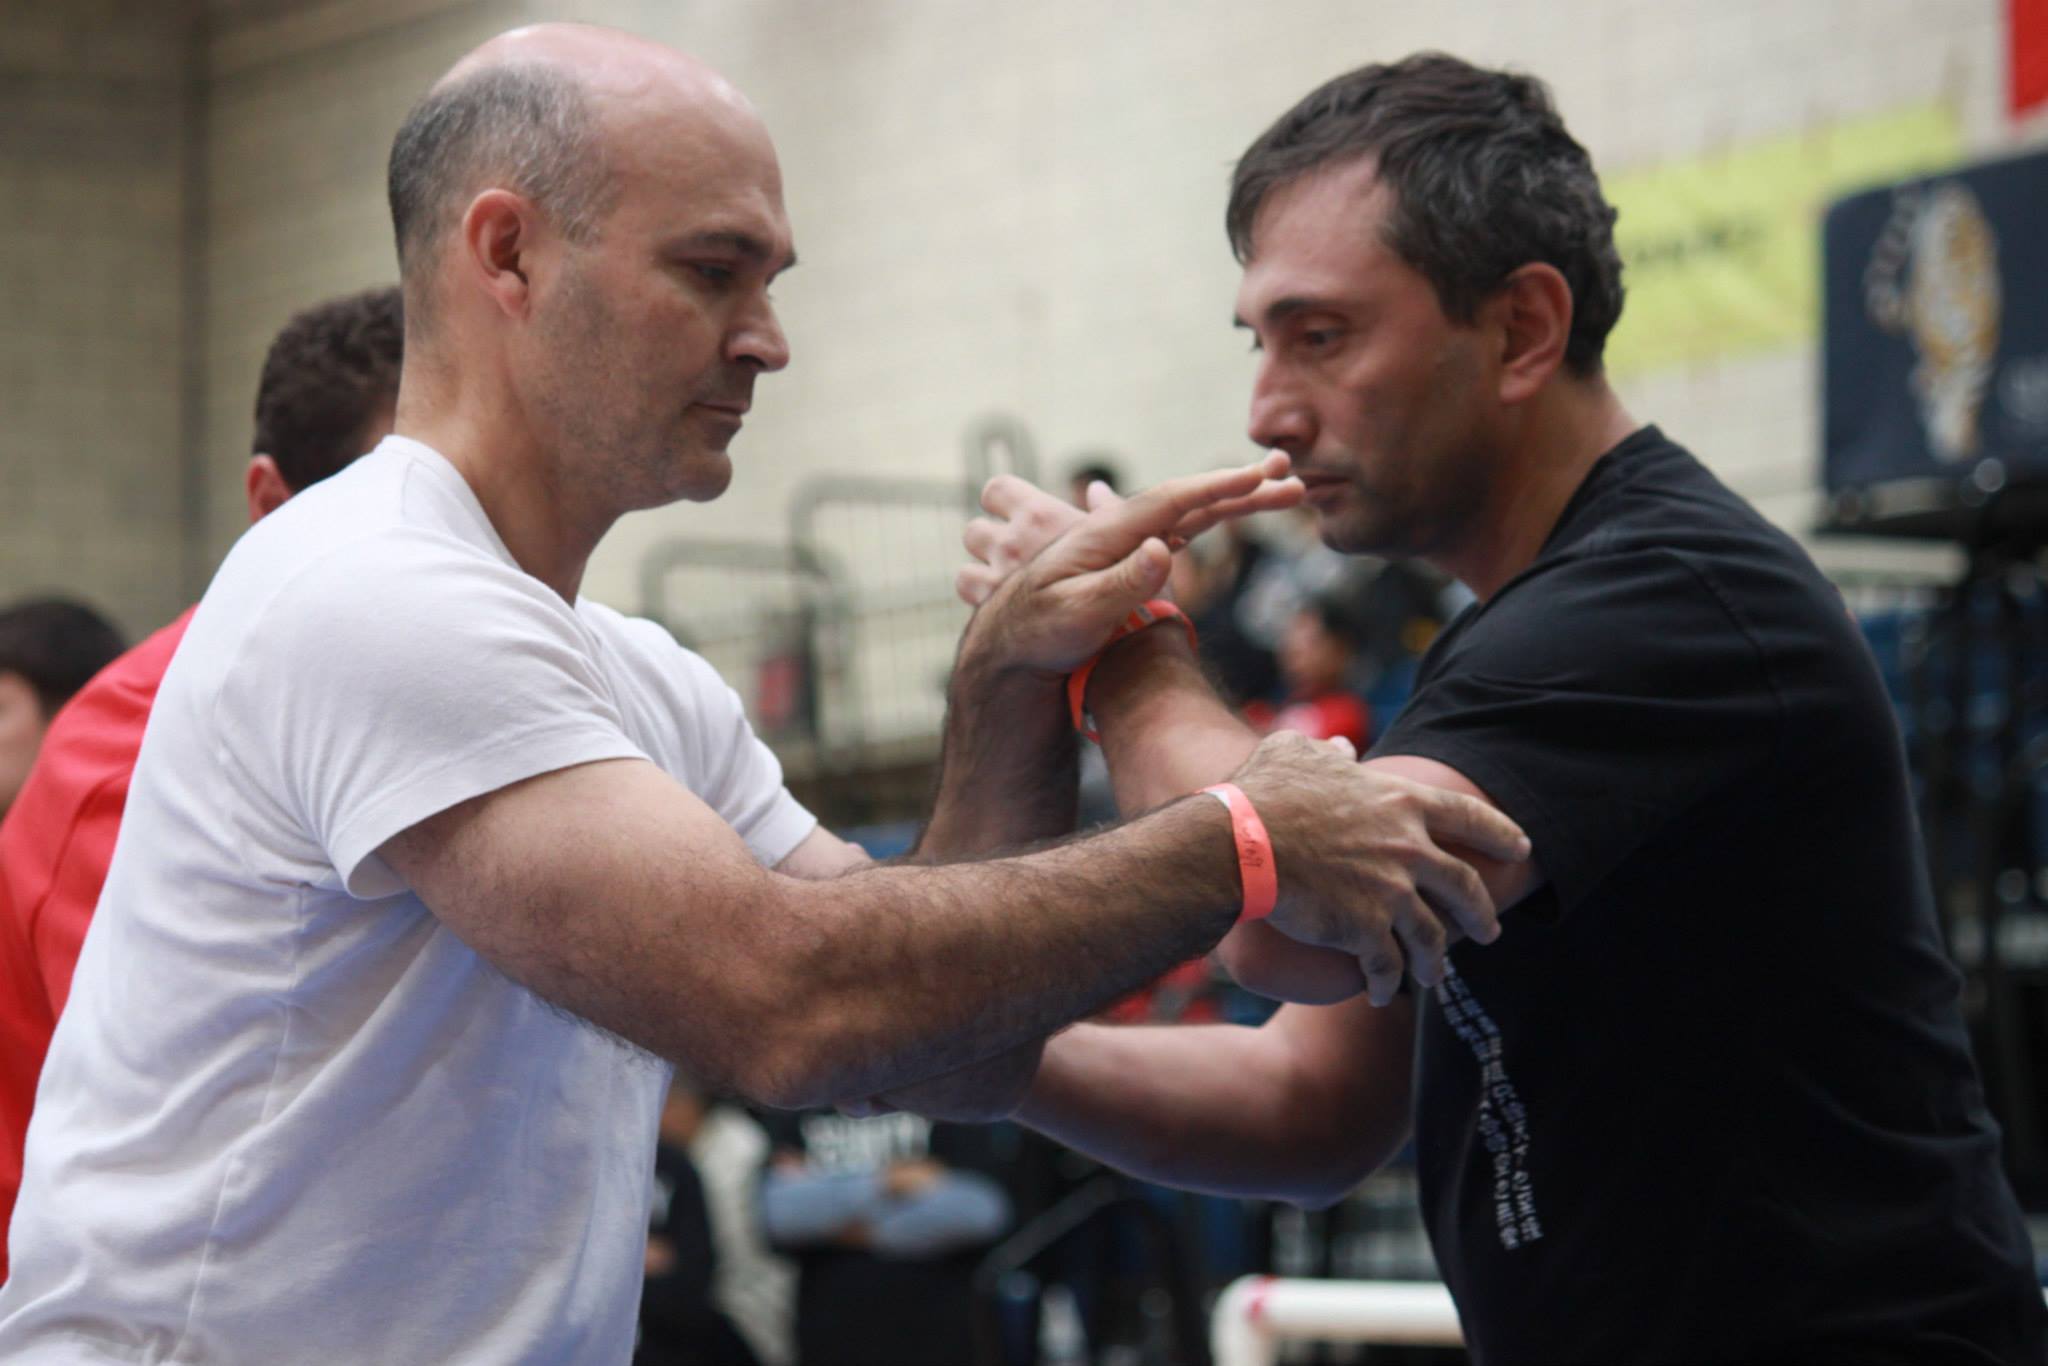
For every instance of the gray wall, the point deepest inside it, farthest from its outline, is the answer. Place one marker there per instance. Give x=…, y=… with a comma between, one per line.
x=1000, y=207
x=93, y=310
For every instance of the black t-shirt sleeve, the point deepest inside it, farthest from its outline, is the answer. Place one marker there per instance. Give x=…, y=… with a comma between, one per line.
x=1596, y=700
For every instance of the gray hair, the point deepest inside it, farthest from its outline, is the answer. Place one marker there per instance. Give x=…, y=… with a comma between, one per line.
x=528, y=126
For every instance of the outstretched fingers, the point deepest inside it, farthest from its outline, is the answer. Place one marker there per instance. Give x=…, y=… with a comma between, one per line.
x=1160, y=510
x=1271, y=496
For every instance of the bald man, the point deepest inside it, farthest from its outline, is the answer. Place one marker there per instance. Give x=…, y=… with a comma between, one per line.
x=366, y=1047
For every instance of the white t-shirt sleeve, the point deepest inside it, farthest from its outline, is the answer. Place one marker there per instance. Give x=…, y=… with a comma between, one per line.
x=399, y=676
x=734, y=773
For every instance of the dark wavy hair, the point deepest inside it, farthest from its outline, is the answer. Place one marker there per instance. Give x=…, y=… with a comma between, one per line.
x=57, y=645
x=1485, y=179
x=331, y=370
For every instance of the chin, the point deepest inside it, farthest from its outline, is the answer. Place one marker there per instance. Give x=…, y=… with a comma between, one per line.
x=706, y=480
x=1351, y=535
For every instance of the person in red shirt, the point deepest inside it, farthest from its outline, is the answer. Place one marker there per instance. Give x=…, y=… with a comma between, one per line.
x=1318, y=652
x=49, y=649
x=327, y=395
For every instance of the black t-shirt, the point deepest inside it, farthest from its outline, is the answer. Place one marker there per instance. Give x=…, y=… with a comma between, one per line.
x=1709, y=1096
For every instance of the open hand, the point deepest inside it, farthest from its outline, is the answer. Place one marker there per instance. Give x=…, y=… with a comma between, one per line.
x=1023, y=519
x=1361, y=861
x=1058, y=608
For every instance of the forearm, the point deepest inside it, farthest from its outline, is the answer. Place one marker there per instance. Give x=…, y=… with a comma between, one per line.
x=1164, y=730
x=960, y=1210
x=1008, y=766
x=1226, y=1109
x=890, y=975
x=801, y=1208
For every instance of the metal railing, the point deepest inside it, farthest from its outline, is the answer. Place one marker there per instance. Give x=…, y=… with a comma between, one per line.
x=1255, y=1314
x=840, y=636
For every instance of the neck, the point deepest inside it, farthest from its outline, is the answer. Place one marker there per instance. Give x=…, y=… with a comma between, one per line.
x=481, y=428
x=1560, y=437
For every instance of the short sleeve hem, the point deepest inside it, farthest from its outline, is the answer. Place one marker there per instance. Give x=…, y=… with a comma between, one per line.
x=506, y=760
x=1545, y=831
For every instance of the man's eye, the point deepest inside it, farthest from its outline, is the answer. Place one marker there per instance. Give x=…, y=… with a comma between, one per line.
x=712, y=274
x=1319, y=338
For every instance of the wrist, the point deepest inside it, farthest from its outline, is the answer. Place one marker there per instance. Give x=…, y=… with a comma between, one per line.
x=1134, y=667
x=981, y=675
x=1209, y=852
x=1255, y=868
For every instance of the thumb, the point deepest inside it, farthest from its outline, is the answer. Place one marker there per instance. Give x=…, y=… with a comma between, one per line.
x=1101, y=495
x=1144, y=571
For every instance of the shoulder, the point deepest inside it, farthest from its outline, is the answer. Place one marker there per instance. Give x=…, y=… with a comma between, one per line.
x=655, y=658
x=1606, y=597
x=401, y=587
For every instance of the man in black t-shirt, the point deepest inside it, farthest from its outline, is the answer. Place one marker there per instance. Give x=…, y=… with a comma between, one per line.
x=1708, y=1095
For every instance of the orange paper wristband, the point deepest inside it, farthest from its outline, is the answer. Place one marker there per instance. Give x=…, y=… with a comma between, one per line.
x=1254, y=852
x=1148, y=613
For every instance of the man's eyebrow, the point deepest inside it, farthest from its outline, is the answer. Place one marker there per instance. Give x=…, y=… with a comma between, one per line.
x=743, y=244
x=1280, y=310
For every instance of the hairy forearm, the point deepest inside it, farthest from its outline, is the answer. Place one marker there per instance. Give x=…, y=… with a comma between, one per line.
x=1164, y=730
x=1223, y=1108
x=1007, y=772
x=889, y=975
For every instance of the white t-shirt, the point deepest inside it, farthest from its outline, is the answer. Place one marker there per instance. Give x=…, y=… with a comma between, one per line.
x=287, y=1115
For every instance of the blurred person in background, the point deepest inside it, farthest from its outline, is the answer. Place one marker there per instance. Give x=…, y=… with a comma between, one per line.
x=1095, y=467
x=697, y=1232
x=1211, y=580
x=887, y=1217
x=1319, y=653
x=49, y=649
x=326, y=395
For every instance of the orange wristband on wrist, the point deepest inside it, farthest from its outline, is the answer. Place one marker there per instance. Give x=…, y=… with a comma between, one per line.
x=1147, y=614
x=1254, y=852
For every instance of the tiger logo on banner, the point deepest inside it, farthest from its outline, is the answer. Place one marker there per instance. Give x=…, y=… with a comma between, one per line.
x=1940, y=240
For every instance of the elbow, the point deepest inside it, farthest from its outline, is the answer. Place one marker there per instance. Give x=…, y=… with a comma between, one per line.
x=786, y=1055
x=1324, y=1189
x=788, y=1075
x=768, y=1029
x=1266, y=962
x=1324, y=1176
x=797, y=1045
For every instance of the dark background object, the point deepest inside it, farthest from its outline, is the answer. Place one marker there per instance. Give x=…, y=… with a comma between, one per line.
x=1935, y=355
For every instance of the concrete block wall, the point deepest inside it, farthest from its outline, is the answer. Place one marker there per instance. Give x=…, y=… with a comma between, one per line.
x=93, y=315
x=1006, y=208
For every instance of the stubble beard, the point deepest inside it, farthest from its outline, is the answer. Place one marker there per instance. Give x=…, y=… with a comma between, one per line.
x=610, y=427
x=1419, y=520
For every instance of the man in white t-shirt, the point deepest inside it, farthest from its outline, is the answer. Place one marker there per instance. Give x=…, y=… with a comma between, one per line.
x=430, y=863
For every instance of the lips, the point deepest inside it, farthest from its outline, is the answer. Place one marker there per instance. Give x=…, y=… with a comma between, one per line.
x=1323, y=488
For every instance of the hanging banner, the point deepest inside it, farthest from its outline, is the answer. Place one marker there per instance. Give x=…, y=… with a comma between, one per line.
x=2027, y=42
x=1936, y=352
x=1722, y=253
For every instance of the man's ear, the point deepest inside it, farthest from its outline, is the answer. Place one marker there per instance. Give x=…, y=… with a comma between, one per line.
x=498, y=234
x=1534, y=308
x=264, y=483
